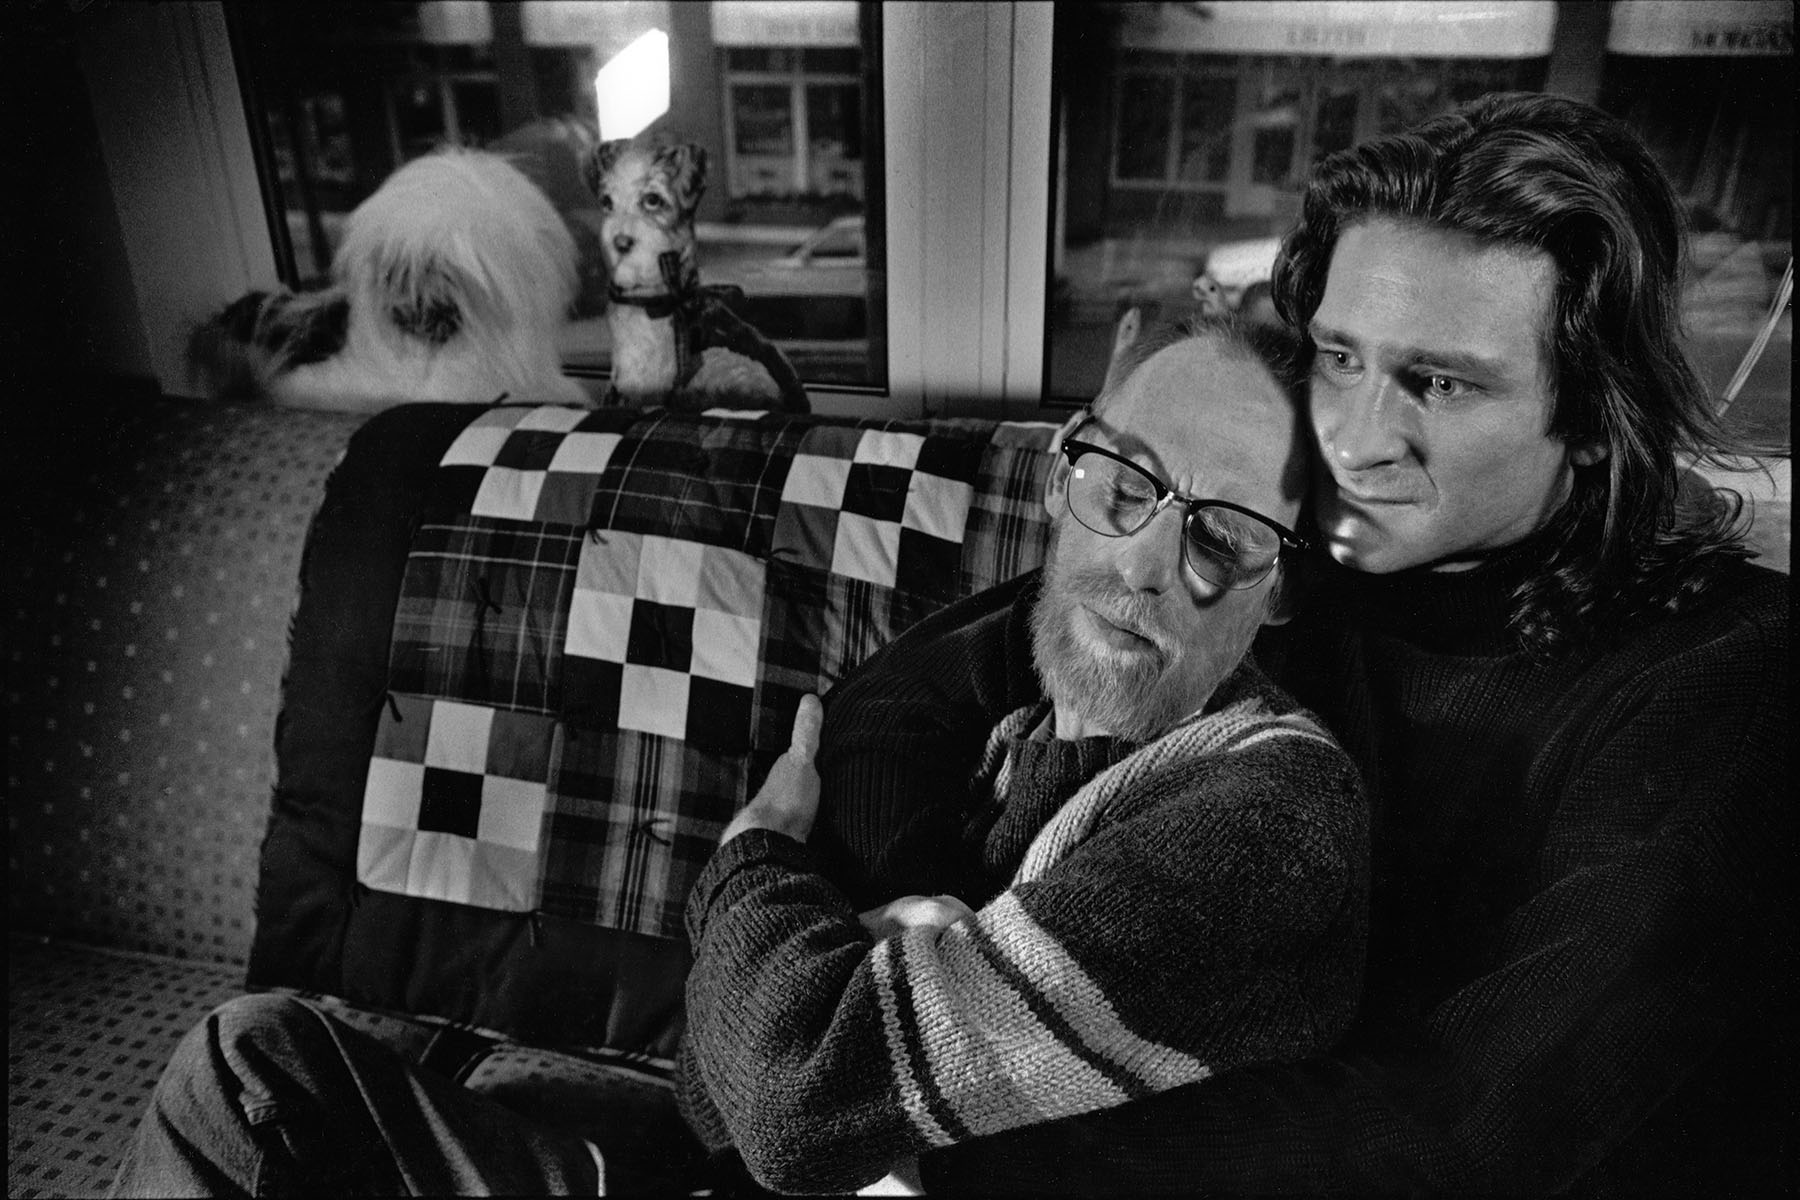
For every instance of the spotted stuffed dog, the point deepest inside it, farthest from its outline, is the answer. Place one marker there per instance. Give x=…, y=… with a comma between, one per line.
x=674, y=341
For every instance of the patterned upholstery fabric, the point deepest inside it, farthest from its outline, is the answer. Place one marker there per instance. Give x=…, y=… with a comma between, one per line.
x=87, y=1033
x=158, y=547
x=598, y=636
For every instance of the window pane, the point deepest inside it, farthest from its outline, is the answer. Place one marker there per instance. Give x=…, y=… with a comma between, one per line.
x=781, y=98
x=764, y=117
x=833, y=61
x=1265, y=90
x=757, y=58
x=477, y=109
x=1723, y=129
x=1409, y=96
x=1144, y=102
x=1207, y=108
x=418, y=114
x=1275, y=118
x=834, y=134
x=1334, y=122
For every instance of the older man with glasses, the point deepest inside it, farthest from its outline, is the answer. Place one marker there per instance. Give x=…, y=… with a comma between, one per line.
x=1153, y=869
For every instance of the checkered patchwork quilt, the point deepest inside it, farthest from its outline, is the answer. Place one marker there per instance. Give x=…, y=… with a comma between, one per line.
x=603, y=623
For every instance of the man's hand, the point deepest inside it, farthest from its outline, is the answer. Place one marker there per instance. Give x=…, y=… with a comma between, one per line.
x=911, y=912
x=789, y=799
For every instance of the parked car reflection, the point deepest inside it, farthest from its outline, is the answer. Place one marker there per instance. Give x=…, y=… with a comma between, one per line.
x=817, y=290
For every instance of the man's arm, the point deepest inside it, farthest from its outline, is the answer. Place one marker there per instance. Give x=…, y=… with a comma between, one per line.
x=1172, y=945
x=1603, y=990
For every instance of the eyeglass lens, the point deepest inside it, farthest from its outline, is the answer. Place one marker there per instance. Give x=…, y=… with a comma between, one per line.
x=1224, y=547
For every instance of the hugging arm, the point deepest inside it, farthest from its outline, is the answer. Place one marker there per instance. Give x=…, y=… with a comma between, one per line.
x=1170, y=946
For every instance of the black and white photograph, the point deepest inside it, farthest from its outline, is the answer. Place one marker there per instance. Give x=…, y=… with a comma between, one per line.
x=590, y=609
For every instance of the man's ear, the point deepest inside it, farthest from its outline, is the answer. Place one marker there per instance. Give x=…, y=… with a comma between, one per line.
x=1056, y=487
x=1284, y=600
x=1588, y=455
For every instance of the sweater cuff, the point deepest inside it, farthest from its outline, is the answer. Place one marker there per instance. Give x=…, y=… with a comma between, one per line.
x=752, y=848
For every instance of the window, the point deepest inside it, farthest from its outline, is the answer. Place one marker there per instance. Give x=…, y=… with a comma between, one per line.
x=785, y=98
x=796, y=116
x=1185, y=132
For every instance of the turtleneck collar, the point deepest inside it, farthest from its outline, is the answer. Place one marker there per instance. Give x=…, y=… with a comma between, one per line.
x=1451, y=612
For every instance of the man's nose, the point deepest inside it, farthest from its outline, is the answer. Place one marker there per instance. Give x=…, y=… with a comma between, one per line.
x=1363, y=427
x=623, y=242
x=1150, y=559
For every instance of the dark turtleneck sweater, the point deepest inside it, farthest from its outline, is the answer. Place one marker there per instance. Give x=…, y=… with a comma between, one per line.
x=1581, y=945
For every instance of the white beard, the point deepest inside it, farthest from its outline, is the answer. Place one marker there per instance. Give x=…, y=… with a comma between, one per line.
x=1133, y=695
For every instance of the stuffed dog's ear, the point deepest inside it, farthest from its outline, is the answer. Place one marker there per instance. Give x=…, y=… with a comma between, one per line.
x=686, y=164
x=595, y=165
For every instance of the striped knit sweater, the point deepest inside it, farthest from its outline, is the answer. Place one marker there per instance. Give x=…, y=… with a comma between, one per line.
x=1195, y=904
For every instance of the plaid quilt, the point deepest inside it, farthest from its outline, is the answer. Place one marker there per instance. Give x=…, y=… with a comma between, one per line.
x=607, y=618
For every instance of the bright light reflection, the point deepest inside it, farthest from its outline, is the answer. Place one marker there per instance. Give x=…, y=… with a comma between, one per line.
x=632, y=90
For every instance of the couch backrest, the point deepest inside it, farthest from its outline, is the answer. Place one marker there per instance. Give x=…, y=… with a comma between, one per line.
x=542, y=654
x=154, y=548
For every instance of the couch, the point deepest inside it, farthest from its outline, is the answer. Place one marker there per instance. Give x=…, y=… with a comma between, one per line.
x=429, y=716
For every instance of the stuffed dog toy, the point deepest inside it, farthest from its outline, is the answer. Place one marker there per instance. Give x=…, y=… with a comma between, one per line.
x=451, y=283
x=674, y=342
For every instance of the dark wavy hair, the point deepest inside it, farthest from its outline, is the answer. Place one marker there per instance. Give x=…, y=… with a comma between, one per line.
x=1552, y=174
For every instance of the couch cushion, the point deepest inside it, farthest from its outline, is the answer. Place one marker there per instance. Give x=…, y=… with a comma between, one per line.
x=542, y=655
x=156, y=550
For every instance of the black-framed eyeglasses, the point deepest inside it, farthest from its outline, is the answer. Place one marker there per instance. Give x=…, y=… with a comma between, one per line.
x=1225, y=544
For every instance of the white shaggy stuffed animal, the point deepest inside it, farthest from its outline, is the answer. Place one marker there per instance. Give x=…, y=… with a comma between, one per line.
x=451, y=283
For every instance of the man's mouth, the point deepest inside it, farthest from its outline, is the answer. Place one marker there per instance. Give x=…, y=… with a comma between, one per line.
x=1376, y=497
x=1119, y=634
x=1366, y=500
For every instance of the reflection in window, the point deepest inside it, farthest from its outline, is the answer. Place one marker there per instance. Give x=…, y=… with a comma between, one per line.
x=783, y=98
x=834, y=138
x=1208, y=105
x=1275, y=122
x=1187, y=131
x=763, y=127
x=1711, y=88
x=1144, y=103
x=1408, y=99
x=1334, y=126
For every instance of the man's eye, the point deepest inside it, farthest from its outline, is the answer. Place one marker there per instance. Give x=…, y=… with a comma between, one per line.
x=1442, y=387
x=1336, y=362
x=1126, y=486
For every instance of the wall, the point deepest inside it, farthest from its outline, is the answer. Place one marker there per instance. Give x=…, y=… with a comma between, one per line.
x=171, y=124
x=76, y=309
